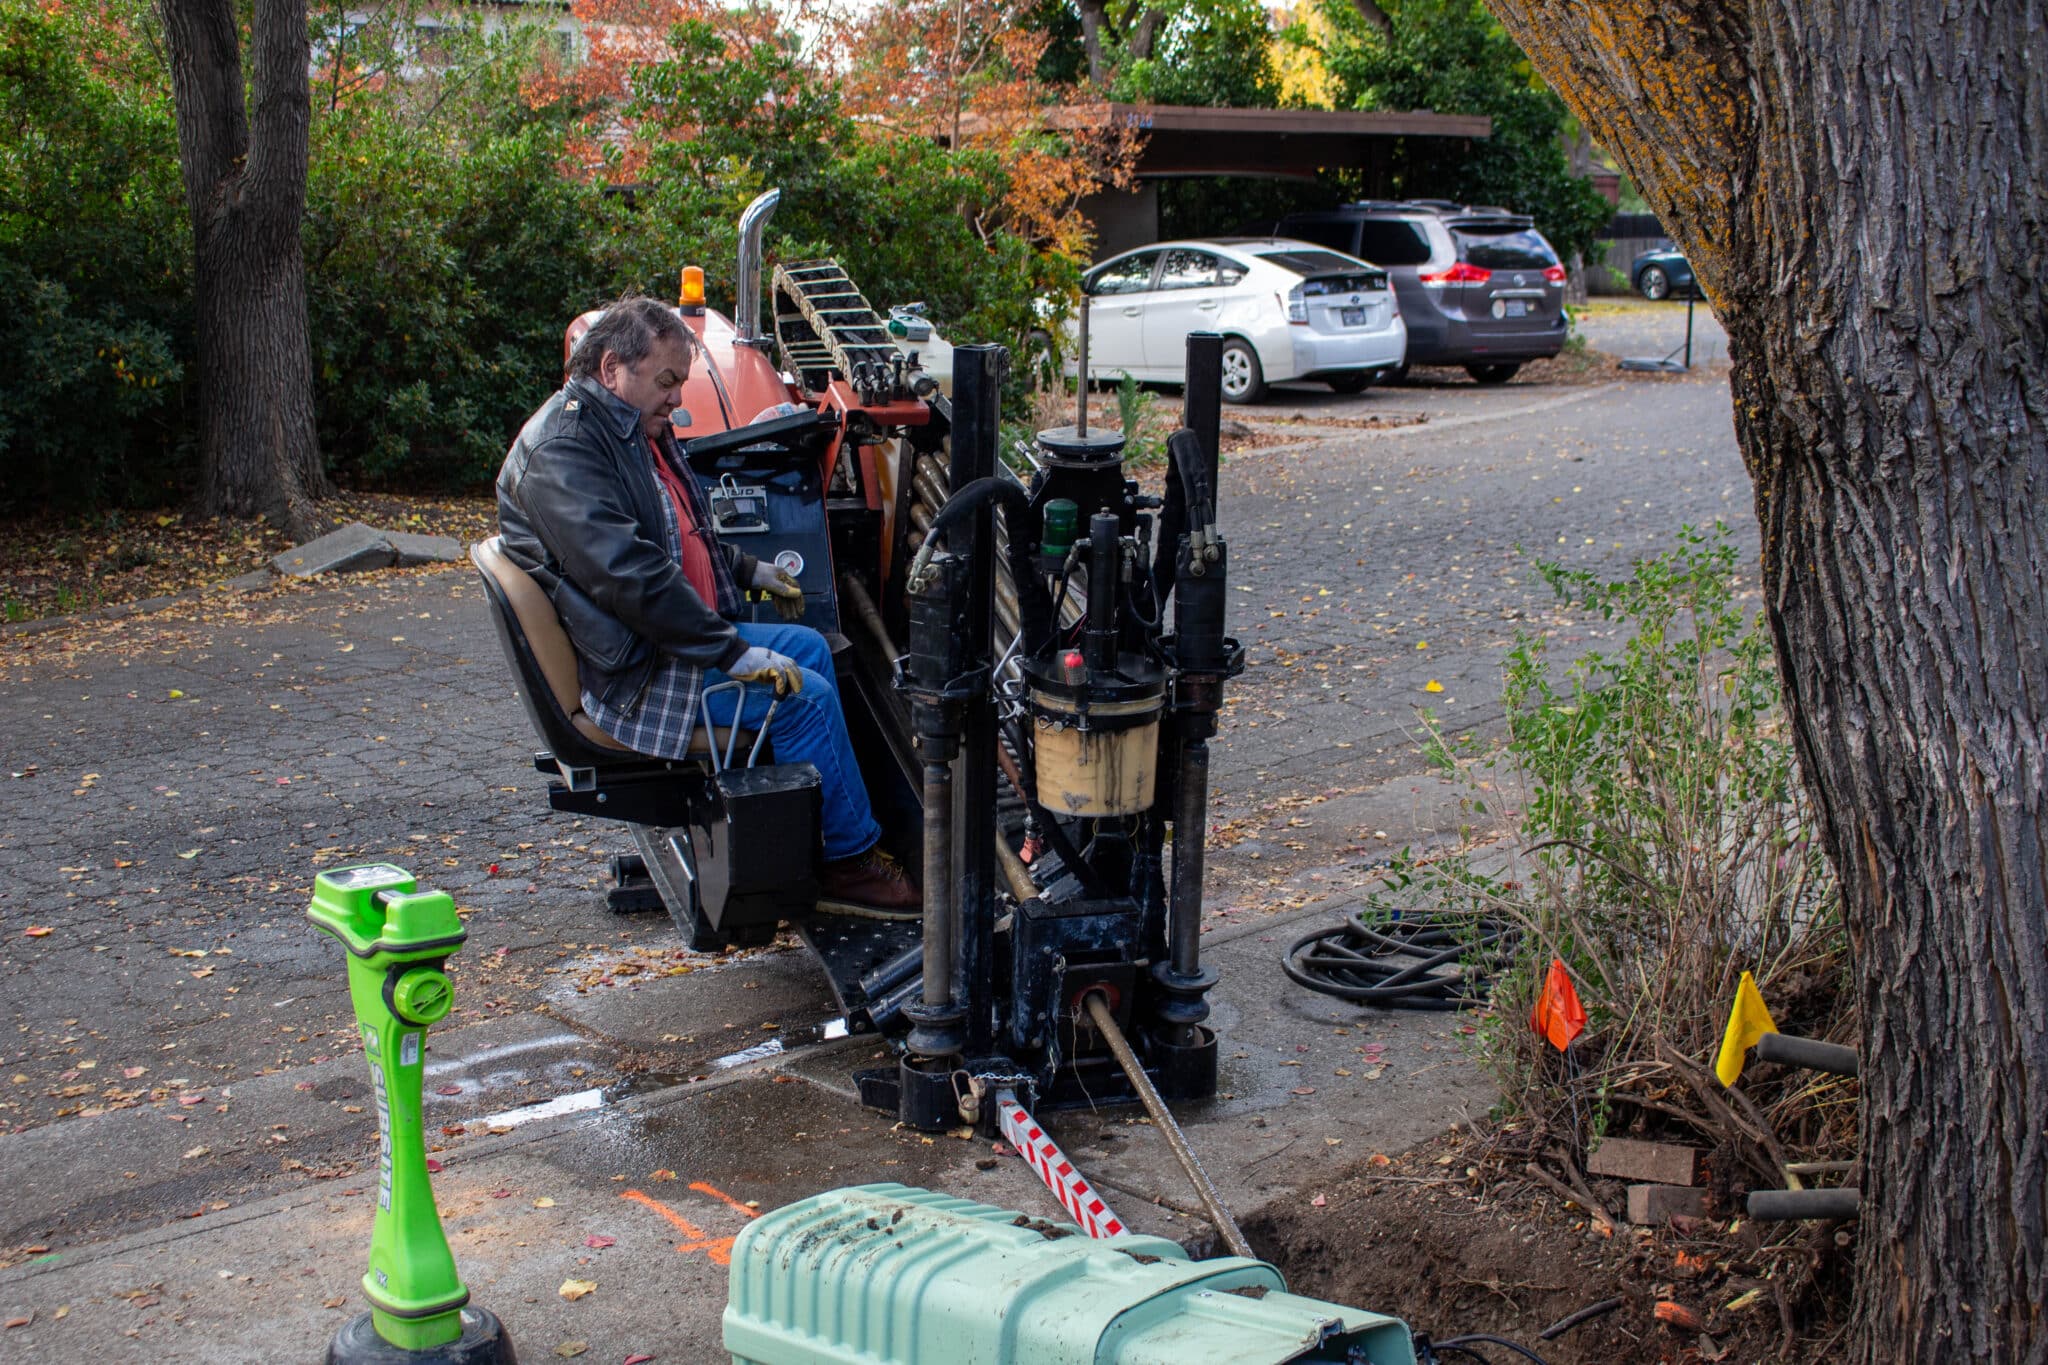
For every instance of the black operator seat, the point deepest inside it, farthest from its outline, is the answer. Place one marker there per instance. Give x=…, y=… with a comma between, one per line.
x=544, y=662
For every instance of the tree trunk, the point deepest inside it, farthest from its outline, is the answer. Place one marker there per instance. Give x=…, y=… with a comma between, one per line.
x=1863, y=191
x=1145, y=33
x=245, y=188
x=1370, y=11
x=1094, y=18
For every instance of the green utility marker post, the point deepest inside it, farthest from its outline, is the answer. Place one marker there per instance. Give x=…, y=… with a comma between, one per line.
x=398, y=939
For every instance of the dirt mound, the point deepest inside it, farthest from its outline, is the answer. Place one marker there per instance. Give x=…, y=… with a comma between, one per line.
x=1433, y=1239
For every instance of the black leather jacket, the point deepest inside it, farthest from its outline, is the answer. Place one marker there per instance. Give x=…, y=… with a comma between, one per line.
x=579, y=509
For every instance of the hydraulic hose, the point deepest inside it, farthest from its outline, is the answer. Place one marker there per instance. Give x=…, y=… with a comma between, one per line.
x=1034, y=607
x=1419, y=962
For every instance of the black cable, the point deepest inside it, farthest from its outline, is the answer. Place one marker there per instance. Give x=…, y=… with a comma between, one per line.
x=1426, y=1353
x=1458, y=1343
x=1417, y=962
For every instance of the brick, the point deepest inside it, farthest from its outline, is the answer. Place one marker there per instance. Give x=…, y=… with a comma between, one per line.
x=1655, y=1203
x=1658, y=1163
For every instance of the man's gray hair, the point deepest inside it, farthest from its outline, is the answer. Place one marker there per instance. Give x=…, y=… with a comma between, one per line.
x=629, y=329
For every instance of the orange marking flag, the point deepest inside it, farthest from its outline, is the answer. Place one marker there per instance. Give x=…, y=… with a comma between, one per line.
x=1558, y=1015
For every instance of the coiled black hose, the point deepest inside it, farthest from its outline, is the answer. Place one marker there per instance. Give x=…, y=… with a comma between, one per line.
x=1415, y=962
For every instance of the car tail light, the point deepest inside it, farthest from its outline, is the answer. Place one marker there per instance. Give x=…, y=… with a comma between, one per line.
x=1297, y=307
x=1554, y=274
x=1461, y=273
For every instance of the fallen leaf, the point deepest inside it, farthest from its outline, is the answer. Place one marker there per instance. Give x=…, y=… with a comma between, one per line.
x=663, y=1175
x=39, y=931
x=202, y=974
x=189, y=854
x=1319, y=1202
x=197, y=1152
x=1432, y=686
x=638, y=1358
x=569, y=1349
x=598, y=1242
x=447, y=1090
x=335, y=1302
x=573, y=1290
x=543, y=1203
x=131, y=1072
x=21, y=1321
x=1304, y=1090
x=433, y=1165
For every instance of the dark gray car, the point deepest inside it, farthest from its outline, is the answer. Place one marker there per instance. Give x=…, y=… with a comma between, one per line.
x=1478, y=287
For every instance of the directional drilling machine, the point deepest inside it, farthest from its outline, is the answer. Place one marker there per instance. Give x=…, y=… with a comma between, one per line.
x=1031, y=654
x=1066, y=639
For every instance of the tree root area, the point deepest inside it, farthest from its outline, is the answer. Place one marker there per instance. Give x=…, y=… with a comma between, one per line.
x=1453, y=1243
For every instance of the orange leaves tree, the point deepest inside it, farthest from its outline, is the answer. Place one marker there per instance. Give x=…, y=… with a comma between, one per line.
x=915, y=142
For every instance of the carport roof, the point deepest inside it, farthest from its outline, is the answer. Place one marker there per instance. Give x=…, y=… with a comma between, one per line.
x=1185, y=140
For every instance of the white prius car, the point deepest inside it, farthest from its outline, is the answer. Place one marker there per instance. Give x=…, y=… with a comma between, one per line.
x=1286, y=309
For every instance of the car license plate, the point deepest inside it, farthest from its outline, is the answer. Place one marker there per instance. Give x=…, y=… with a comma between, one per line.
x=1351, y=317
x=1517, y=308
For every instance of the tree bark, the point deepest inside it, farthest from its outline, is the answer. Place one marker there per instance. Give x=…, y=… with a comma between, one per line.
x=1369, y=11
x=1863, y=191
x=245, y=189
x=1094, y=18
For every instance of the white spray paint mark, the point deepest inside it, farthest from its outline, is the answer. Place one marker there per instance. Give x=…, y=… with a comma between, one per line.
x=580, y=1102
x=492, y=1054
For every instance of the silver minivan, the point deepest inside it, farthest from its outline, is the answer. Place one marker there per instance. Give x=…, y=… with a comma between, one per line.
x=1479, y=286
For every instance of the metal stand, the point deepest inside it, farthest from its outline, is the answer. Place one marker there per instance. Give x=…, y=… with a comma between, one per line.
x=1666, y=365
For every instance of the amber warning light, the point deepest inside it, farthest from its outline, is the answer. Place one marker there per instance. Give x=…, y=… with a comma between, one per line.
x=693, y=289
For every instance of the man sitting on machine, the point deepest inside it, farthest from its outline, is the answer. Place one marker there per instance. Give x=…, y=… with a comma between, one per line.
x=598, y=505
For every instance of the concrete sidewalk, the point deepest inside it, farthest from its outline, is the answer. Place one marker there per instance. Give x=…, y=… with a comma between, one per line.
x=641, y=1191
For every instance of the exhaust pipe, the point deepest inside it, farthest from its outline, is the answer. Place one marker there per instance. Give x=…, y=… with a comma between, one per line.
x=747, y=307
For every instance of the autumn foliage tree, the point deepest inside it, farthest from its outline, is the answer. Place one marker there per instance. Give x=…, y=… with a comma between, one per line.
x=912, y=142
x=1863, y=191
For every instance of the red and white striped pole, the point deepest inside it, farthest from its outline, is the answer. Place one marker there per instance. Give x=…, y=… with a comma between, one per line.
x=1067, y=1184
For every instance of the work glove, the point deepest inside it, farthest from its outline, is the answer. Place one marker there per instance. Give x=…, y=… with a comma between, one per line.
x=781, y=587
x=766, y=666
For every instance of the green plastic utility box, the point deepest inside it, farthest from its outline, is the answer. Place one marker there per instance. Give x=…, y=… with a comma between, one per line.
x=890, y=1275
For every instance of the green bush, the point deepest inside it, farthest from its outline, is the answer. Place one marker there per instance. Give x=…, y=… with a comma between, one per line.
x=95, y=261
x=1663, y=846
x=446, y=251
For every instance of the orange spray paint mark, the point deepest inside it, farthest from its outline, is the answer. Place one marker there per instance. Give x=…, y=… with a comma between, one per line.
x=722, y=1197
x=717, y=1249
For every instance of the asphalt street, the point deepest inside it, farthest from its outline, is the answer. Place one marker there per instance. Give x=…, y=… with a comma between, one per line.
x=181, y=1058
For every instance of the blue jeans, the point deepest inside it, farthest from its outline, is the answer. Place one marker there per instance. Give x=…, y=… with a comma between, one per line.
x=808, y=728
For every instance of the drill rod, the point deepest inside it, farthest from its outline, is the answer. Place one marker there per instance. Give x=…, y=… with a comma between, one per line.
x=1162, y=1119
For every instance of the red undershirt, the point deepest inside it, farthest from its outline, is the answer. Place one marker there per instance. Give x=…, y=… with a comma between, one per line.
x=696, y=557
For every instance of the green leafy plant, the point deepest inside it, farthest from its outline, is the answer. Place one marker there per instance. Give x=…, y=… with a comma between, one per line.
x=1662, y=846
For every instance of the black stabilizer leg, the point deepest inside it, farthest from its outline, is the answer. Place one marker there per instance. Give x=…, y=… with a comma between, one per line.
x=1203, y=659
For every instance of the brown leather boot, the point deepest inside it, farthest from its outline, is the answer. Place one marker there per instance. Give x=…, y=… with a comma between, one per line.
x=872, y=879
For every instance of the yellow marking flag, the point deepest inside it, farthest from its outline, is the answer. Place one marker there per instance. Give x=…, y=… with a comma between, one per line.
x=1747, y=1022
